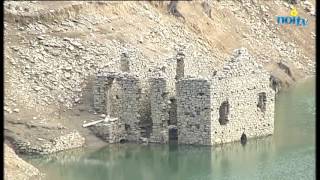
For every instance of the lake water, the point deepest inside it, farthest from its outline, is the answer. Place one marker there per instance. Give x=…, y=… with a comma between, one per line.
x=288, y=154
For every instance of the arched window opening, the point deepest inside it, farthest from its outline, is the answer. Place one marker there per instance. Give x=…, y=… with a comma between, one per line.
x=262, y=101
x=224, y=112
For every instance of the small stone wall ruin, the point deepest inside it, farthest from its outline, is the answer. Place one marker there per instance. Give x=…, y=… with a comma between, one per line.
x=117, y=95
x=211, y=110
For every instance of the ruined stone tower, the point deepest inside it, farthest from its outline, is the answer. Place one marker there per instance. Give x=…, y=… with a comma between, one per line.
x=180, y=66
x=124, y=62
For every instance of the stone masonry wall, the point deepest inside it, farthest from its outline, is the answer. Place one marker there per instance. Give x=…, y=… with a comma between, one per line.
x=99, y=94
x=159, y=109
x=139, y=66
x=102, y=100
x=242, y=94
x=237, y=100
x=118, y=95
x=193, y=111
x=129, y=112
x=240, y=84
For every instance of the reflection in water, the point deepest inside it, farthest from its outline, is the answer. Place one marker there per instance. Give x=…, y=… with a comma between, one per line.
x=288, y=154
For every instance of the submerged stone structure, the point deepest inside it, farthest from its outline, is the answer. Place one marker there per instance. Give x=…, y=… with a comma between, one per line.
x=235, y=102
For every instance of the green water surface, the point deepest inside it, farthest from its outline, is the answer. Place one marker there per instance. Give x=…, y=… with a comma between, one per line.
x=288, y=154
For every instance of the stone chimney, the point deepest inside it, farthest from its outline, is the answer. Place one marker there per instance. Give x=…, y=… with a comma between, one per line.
x=180, y=66
x=124, y=62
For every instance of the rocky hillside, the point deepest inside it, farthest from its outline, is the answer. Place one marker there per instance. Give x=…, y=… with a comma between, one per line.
x=54, y=49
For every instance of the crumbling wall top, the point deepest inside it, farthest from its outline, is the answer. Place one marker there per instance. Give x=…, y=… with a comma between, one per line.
x=116, y=75
x=193, y=78
x=158, y=75
x=241, y=63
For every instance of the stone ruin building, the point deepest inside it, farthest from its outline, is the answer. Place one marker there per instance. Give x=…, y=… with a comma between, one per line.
x=237, y=100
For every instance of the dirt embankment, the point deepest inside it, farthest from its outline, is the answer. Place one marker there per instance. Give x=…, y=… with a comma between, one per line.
x=16, y=168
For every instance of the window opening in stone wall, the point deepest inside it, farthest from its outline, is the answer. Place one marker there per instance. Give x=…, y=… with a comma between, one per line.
x=127, y=127
x=201, y=94
x=262, y=101
x=223, y=113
